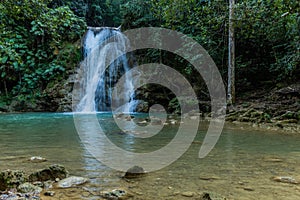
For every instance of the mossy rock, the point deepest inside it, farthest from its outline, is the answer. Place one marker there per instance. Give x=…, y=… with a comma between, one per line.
x=29, y=188
x=51, y=173
x=11, y=179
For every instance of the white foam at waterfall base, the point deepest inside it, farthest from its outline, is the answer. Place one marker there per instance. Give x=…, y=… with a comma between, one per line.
x=101, y=47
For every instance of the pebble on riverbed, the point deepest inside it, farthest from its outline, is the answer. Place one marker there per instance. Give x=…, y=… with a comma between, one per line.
x=285, y=179
x=188, y=194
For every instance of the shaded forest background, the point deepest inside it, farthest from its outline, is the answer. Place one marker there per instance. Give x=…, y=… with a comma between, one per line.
x=40, y=40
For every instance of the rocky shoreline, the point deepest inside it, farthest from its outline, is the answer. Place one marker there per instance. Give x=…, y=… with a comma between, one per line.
x=54, y=182
x=275, y=110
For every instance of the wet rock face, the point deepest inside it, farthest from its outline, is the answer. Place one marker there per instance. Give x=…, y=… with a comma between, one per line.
x=51, y=173
x=11, y=179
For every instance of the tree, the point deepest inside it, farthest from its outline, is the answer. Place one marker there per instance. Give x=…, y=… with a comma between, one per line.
x=231, y=56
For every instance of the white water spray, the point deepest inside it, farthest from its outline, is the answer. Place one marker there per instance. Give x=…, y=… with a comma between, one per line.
x=98, y=76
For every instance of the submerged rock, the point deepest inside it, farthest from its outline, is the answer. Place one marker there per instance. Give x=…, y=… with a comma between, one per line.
x=11, y=179
x=51, y=173
x=188, y=194
x=37, y=159
x=285, y=179
x=71, y=181
x=156, y=121
x=134, y=172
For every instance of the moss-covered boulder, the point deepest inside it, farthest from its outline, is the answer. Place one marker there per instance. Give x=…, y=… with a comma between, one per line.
x=11, y=179
x=51, y=173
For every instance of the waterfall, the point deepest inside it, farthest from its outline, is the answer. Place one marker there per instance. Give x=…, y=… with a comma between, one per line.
x=98, y=76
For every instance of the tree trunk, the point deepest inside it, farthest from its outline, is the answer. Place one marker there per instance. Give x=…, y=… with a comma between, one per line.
x=231, y=56
x=5, y=88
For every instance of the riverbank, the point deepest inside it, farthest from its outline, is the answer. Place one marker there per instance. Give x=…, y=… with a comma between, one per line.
x=273, y=109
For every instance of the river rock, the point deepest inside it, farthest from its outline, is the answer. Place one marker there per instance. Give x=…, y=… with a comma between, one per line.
x=285, y=179
x=156, y=121
x=19, y=196
x=11, y=179
x=71, y=181
x=51, y=173
x=188, y=194
x=49, y=193
x=37, y=159
x=173, y=121
x=29, y=188
x=205, y=196
x=143, y=122
x=114, y=194
x=134, y=172
x=48, y=184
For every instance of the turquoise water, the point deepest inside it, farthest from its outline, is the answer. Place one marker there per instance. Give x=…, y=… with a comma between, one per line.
x=241, y=165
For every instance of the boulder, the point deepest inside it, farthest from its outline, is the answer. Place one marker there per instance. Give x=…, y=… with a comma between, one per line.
x=134, y=172
x=11, y=179
x=51, y=173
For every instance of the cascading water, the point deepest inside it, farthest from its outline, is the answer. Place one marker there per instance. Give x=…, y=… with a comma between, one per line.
x=99, y=75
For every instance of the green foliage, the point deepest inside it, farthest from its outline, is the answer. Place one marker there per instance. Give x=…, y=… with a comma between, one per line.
x=96, y=12
x=23, y=11
x=37, y=46
x=55, y=23
x=137, y=13
x=267, y=33
x=268, y=38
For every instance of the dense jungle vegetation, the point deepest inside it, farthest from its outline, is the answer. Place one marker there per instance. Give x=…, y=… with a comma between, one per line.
x=40, y=39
